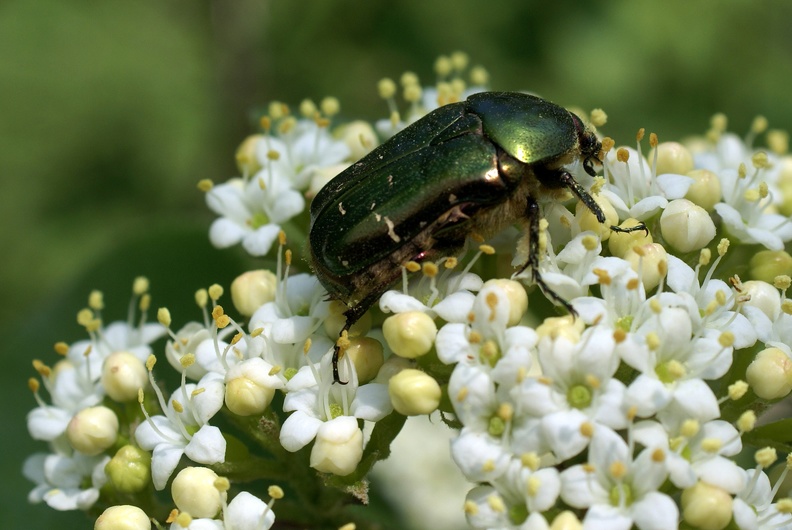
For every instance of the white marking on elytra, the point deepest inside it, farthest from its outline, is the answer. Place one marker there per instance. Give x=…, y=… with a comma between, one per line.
x=341, y=208
x=391, y=233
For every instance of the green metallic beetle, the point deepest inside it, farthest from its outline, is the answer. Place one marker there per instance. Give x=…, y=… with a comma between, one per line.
x=475, y=166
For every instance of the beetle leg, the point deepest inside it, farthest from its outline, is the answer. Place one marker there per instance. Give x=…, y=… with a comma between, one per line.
x=574, y=186
x=533, y=215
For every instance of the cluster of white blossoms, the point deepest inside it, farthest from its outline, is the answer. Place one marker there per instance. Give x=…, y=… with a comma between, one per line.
x=641, y=410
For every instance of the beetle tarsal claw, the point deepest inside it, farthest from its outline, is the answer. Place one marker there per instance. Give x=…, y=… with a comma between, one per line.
x=636, y=228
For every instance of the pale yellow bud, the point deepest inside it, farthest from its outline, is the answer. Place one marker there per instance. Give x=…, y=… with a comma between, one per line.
x=516, y=295
x=338, y=447
x=650, y=263
x=765, y=265
x=367, y=356
x=566, y=520
x=251, y=290
x=321, y=175
x=193, y=491
x=122, y=375
x=672, y=157
x=246, y=159
x=414, y=392
x=93, y=430
x=360, y=137
x=763, y=296
x=123, y=517
x=335, y=321
x=705, y=189
x=770, y=374
x=567, y=327
x=410, y=334
x=250, y=387
x=706, y=507
x=686, y=226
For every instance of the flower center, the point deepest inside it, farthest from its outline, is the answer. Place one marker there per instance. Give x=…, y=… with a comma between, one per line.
x=621, y=495
x=579, y=396
x=258, y=220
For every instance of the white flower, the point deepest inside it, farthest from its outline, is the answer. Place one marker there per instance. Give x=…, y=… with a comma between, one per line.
x=446, y=295
x=115, y=337
x=61, y=480
x=577, y=387
x=754, y=508
x=252, y=212
x=634, y=189
x=299, y=152
x=617, y=490
x=248, y=512
x=314, y=400
x=700, y=456
x=673, y=362
x=186, y=432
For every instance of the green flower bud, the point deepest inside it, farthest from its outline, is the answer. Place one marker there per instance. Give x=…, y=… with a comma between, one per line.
x=129, y=471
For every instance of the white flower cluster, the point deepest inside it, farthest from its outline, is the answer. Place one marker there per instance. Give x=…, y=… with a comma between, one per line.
x=630, y=413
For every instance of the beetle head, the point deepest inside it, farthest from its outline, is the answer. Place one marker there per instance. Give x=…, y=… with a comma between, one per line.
x=589, y=146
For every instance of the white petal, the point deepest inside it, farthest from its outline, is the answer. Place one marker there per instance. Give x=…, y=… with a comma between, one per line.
x=451, y=343
x=605, y=517
x=655, y=511
x=244, y=513
x=455, y=307
x=398, y=302
x=372, y=402
x=224, y=232
x=47, y=423
x=148, y=437
x=479, y=456
x=298, y=430
x=648, y=395
x=562, y=430
x=579, y=490
x=207, y=446
x=259, y=242
x=674, y=186
x=721, y=471
x=164, y=460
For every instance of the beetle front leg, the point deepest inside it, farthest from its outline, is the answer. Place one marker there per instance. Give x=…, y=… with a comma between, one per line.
x=534, y=215
x=569, y=182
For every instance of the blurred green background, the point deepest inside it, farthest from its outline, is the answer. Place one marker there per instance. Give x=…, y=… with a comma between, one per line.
x=110, y=112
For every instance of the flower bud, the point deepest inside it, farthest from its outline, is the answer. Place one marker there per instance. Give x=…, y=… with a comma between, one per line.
x=338, y=447
x=765, y=265
x=413, y=392
x=410, y=334
x=706, y=507
x=335, y=321
x=650, y=262
x=250, y=387
x=123, y=517
x=620, y=243
x=251, y=290
x=194, y=491
x=122, y=375
x=247, y=161
x=392, y=366
x=705, y=190
x=129, y=471
x=360, y=137
x=763, y=296
x=567, y=326
x=515, y=293
x=588, y=221
x=672, y=157
x=366, y=354
x=321, y=175
x=566, y=520
x=92, y=430
x=685, y=226
x=770, y=374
